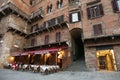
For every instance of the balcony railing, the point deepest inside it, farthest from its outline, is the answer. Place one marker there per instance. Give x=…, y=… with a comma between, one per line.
x=39, y=46
x=74, y=3
x=52, y=24
x=37, y=15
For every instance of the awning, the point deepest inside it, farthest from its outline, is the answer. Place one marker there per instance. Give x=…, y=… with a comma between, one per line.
x=42, y=51
x=50, y=50
x=15, y=54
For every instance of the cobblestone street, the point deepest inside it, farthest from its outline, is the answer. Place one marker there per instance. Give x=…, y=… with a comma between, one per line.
x=62, y=75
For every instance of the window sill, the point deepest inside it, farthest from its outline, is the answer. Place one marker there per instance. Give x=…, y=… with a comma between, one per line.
x=75, y=22
x=95, y=17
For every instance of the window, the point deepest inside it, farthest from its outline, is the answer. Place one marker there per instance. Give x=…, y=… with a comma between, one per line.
x=50, y=23
x=60, y=19
x=38, y=41
x=49, y=8
x=32, y=2
x=95, y=11
x=46, y=39
x=40, y=10
x=116, y=5
x=74, y=2
x=17, y=43
x=33, y=41
x=97, y=29
x=75, y=17
x=58, y=36
x=59, y=4
x=34, y=28
x=32, y=15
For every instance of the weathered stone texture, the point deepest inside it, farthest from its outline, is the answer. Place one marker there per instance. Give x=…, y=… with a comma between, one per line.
x=91, y=58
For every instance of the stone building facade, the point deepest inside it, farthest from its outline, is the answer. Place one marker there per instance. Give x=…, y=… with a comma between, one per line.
x=61, y=32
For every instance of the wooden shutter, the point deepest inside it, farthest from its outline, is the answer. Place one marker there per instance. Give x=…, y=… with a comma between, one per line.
x=97, y=29
x=62, y=18
x=32, y=42
x=101, y=9
x=58, y=36
x=70, y=17
x=114, y=6
x=79, y=16
x=31, y=30
x=88, y=13
x=46, y=39
x=47, y=9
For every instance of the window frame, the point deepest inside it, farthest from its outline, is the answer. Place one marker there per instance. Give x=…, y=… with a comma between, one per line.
x=34, y=28
x=59, y=4
x=115, y=6
x=95, y=11
x=32, y=2
x=33, y=42
x=58, y=36
x=46, y=39
x=78, y=16
x=97, y=31
x=49, y=8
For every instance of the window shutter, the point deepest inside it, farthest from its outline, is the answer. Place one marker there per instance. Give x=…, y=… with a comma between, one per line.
x=33, y=42
x=58, y=36
x=97, y=29
x=47, y=9
x=114, y=6
x=62, y=18
x=79, y=16
x=100, y=29
x=88, y=13
x=61, y=1
x=31, y=30
x=101, y=9
x=51, y=7
x=46, y=39
x=70, y=17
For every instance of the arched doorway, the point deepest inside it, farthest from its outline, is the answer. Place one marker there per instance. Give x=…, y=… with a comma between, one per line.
x=77, y=44
x=78, y=55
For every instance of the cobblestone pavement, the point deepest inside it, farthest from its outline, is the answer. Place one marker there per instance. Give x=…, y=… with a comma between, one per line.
x=6, y=74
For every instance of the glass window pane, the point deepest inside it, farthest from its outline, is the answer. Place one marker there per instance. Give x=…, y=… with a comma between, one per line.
x=74, y=17
x=118, y=1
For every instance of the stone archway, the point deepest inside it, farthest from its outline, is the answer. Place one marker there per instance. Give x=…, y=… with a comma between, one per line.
x=78, y=54
x=77, y=44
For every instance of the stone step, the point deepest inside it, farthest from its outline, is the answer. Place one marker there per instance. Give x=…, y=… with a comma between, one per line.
x=78, y=65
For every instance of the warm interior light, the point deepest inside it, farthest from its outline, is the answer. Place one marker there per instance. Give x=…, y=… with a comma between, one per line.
x=11, y=58
x=48, y=54
x=58, y=52
x=106, y=57
x=60, y=56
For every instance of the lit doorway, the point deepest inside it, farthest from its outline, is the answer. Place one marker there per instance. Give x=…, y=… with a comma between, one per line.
x=106, y=60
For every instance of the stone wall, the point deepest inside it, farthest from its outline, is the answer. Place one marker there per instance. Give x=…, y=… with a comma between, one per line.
x=10, y=38
x=109, y=20
x=91, y=58
x=117, y=56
